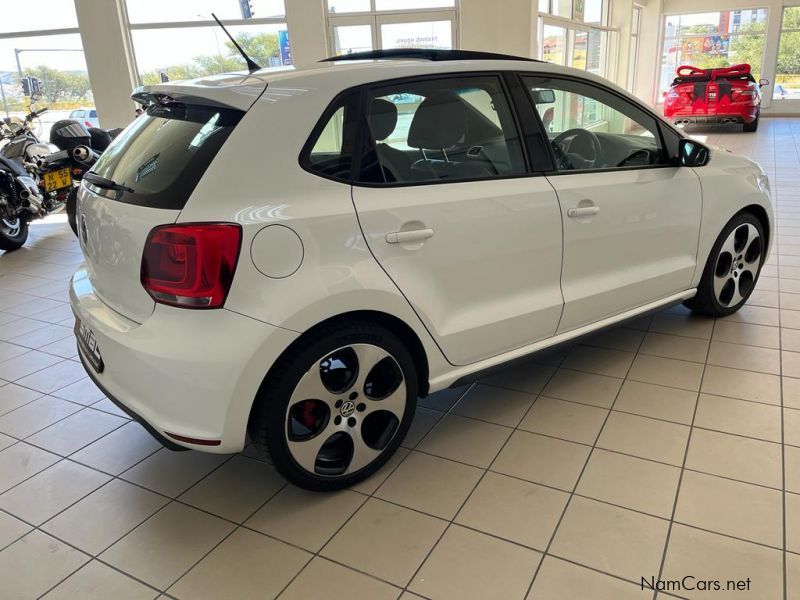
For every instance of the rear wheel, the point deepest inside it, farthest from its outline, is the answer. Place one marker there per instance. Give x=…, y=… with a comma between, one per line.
x=732, y=269
x=751, y=127
x=13, y=233
x=336, y=407
x=72, y=209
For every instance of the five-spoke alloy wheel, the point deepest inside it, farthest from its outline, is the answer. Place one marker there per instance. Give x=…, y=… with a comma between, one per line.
x=341, y=417
x=732, y=269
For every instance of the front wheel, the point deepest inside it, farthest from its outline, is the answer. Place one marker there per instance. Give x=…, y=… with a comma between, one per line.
x=732, y=269
x=13, y=233
x=335, y=408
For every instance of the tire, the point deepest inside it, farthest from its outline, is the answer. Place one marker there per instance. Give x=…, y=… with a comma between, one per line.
x=732, y=268
x=319, y=393
x=13, y=234
x=72, y=210
x=751, y=127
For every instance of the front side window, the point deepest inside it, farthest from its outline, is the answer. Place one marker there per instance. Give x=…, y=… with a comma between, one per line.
x=449, y=129
x=590, y=128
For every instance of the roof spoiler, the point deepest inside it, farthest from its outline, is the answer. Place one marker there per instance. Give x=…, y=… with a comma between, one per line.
x=424, y=54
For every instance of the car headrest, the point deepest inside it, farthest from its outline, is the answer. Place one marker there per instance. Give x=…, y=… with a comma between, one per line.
x=440, y=122
x=382, y=118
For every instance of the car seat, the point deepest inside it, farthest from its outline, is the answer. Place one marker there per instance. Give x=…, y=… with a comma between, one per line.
x=395, y=164
x=439, y=126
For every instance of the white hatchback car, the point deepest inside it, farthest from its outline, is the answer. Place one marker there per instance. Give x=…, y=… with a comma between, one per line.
x=301, y=254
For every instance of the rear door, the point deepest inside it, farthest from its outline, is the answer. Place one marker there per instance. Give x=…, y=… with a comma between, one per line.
x=160, y=158
x=631, y=218
x=451, y=213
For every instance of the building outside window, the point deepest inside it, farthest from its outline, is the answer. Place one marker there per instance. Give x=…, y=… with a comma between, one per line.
x=362, y=25
x=573, y=33
x=178, y=39
x=787, y=72
x=712, y=40
x=53, y=54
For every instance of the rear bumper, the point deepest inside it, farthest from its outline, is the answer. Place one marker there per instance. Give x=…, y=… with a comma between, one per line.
x=189, y=373
x=746, y=115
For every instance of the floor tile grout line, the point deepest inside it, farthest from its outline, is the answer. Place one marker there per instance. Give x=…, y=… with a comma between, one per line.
x=783, y=436
x=580, y=476
x=480, y=479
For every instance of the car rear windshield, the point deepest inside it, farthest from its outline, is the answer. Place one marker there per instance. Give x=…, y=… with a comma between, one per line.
x=163, y=154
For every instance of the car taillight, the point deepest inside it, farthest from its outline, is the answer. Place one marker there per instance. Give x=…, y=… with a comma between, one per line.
x=87, y=123
x=192, y=265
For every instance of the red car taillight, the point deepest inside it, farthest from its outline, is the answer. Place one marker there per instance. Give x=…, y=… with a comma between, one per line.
x=191, y=266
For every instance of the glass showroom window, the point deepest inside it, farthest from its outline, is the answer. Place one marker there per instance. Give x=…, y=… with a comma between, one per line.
x=361, y=25
x=787, y=72
x=573, y=33
x=712, y=40
x=53, y=53
x=179, y=39
x=592, y=12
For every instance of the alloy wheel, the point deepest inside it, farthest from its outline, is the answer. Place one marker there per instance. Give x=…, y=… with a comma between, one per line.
x=737, y=265
x=11, y=227
x=345, y=410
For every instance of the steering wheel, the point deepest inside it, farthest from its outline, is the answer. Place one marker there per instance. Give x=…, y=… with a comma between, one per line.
x=572, y=135
x=636, y=158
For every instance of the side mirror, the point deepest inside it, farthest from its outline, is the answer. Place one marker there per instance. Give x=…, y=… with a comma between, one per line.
x=763, y=82
x=692, y=153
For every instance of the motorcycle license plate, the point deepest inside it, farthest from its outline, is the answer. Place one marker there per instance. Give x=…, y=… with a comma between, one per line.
x=88, y=345
x=56, y=180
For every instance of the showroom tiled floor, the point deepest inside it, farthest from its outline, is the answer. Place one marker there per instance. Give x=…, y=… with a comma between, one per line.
x=665, y=448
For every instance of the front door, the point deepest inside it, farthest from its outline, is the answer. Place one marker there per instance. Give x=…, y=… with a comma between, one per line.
x=450, y=213
x=631, y=220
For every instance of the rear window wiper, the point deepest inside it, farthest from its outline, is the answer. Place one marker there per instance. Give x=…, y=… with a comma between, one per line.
x=105, y=183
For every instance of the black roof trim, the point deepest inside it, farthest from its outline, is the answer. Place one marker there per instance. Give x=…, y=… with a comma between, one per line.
x=425, y=54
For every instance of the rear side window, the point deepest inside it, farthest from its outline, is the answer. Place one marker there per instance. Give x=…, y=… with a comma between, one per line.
x=439, y=130
x=329, y=151
x=93, y=114
x=164, y=153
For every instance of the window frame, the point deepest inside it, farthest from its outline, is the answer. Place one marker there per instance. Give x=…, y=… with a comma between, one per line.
x=376, y=18
x=668, y=137
x=350, y=99
x=166, y=25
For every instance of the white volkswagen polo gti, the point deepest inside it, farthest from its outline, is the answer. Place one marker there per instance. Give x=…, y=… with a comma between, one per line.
x=300, y=255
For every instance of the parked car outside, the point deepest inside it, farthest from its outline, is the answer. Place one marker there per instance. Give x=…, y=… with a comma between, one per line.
x=276, y=255
x=87, y=116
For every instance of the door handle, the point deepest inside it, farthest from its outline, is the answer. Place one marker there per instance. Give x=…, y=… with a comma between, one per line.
x=404, y=237
x=583, y=211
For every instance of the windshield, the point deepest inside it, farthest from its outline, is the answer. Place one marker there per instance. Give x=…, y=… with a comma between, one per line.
x=164, y=153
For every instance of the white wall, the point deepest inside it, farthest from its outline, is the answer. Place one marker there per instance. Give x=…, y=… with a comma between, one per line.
x=505, y=26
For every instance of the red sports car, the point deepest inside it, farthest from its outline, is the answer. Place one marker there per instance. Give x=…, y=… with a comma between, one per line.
x=726, y=95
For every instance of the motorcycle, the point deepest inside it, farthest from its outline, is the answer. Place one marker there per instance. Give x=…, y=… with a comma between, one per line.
x=39, y=178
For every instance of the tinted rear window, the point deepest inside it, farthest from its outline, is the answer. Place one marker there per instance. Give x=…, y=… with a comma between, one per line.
x=164, y=153
x=93, y=114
